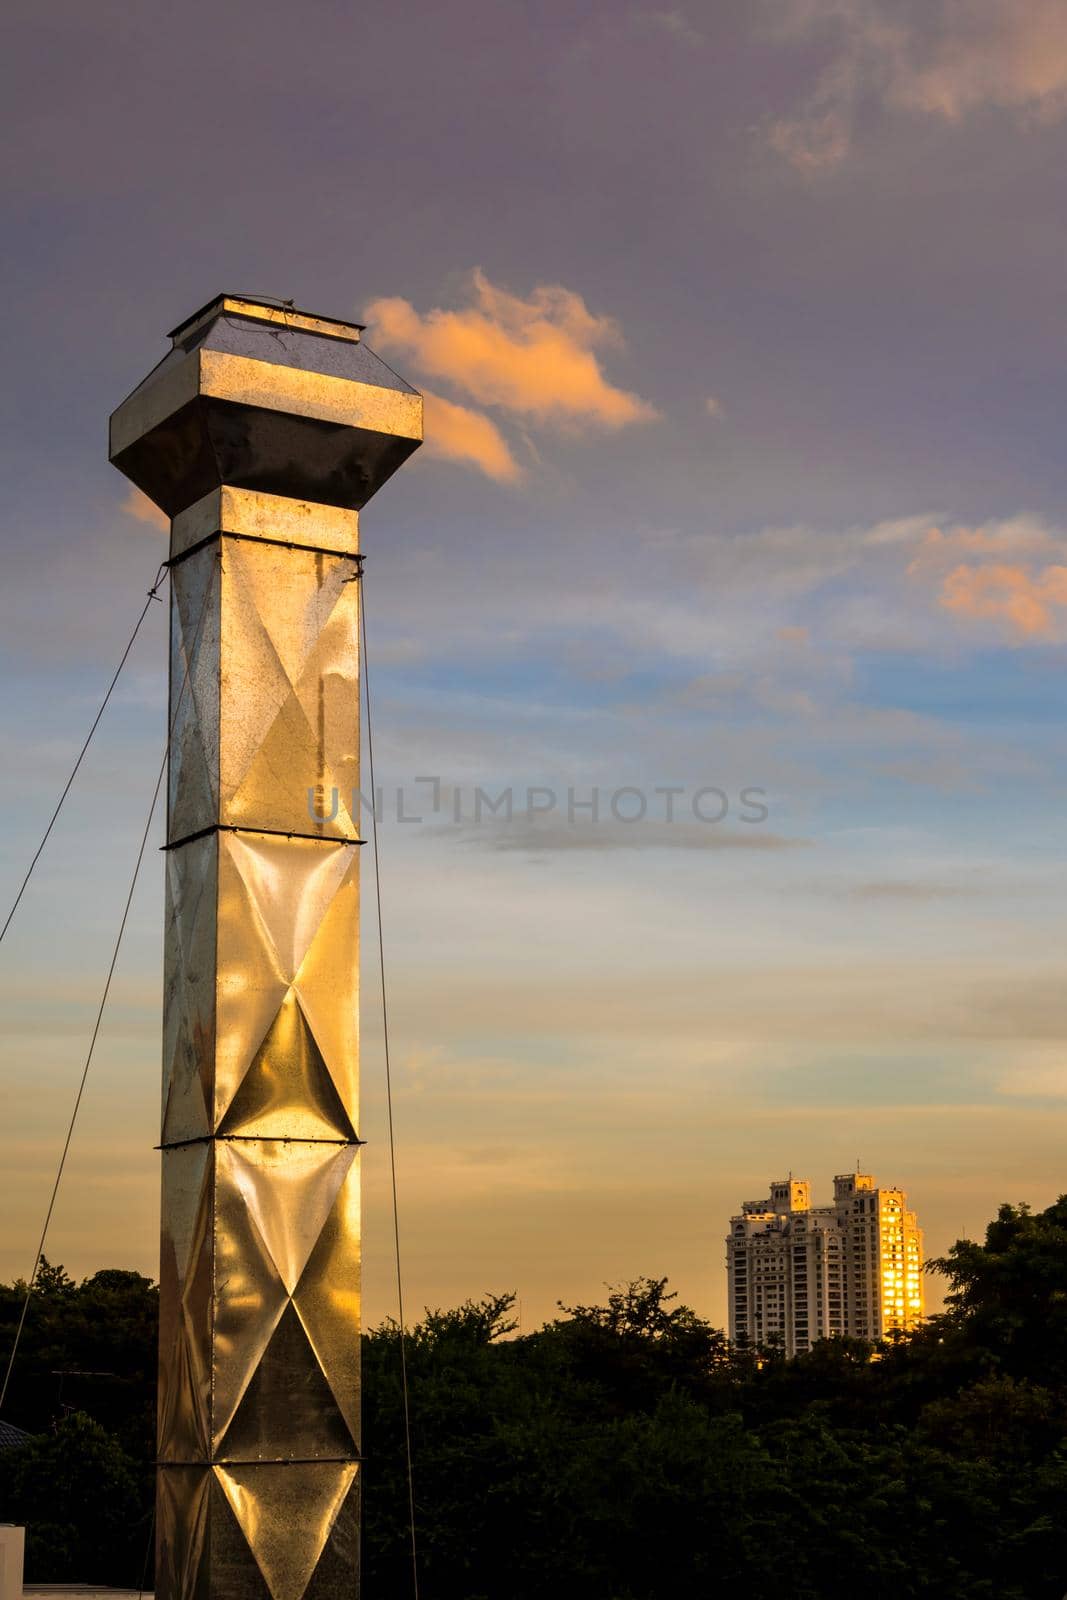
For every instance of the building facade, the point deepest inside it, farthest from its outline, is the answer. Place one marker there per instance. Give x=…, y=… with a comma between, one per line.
x=798, y=1273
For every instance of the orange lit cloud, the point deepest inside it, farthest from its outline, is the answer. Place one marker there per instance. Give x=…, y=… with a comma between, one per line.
x=957, y=58
x=456, y=433
x=813, y=142
x=1018, y=538
x=138, y=506
x=988, y=53
x=1028, y=601
x=1012, y=572
x=534, y=358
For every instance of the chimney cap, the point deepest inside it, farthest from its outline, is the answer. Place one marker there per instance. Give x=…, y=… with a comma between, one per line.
x=264, y=308
x=257, y=396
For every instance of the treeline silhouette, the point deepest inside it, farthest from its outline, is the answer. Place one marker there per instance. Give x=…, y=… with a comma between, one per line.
x=623, y=1452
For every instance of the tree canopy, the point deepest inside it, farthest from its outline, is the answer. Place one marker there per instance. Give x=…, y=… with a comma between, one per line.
x=626, y=1450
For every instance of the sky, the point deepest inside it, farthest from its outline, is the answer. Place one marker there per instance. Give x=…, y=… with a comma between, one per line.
x=743, y=504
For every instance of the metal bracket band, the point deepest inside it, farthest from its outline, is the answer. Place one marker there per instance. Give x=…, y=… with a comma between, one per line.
x=355, y=556
x=272, y=833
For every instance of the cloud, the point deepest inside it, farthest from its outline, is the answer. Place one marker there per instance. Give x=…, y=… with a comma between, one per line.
x=1026, y=593
x=1028, y=601
x=1036, y=1082
x=457, y=433
x=872, y=996
x=949, y=60
x=674, y=23
x=901, y=889
x=987, y=53
x=714, y=407
x=532, y=358
x=138, y=506
x=559, y=835
x=1039, y=1072
x=1015, y=537
x=811, y=143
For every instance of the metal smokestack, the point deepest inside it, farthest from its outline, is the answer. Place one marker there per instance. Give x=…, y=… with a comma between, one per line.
x=261, y=434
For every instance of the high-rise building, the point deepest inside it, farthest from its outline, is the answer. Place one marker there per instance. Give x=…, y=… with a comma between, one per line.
x=798, y=1272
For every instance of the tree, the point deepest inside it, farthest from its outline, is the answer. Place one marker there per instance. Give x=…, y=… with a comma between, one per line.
x=77, y=1493
x=1007, y=1299
x=52, y=1282
x=626, y=1450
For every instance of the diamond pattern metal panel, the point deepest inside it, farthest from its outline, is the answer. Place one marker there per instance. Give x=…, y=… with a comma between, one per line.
x=273, y=1202
x=264, y=690
x=183, y=1551
x=288, y=1514
x=290, y=706
x=195, y=622
x=258, y=1532
x=287, y=986
x=189, y=989
x=186, y=1284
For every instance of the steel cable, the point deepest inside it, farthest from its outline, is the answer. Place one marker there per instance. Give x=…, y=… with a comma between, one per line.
x=389, y=1097
x=190, y=655
x=152, y=595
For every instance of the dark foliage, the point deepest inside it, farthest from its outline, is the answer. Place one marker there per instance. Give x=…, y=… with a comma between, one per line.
x=625, y=1451
x=84, y=1384
x=77, y=1492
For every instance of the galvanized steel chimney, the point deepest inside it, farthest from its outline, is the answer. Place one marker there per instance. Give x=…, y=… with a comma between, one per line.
x=261, y=434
